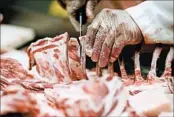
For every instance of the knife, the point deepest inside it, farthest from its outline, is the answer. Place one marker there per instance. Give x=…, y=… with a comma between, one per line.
x=80, y=20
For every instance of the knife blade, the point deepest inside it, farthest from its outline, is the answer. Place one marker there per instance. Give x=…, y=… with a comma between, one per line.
x=80, y=20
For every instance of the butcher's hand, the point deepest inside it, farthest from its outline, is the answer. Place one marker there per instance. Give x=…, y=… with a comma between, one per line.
x=109, y=32
x=73, y=6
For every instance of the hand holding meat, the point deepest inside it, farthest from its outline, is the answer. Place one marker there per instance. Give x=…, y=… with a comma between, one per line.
x=109, y=32
x=73, y=6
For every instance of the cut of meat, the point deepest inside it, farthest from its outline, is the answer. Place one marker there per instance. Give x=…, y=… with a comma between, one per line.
x=57, y=59
x=76, y=64
x=17, y=100
x=124, y=75
x=12, y=71
x=152, y=73
x=20, y=56
x=170, y=84
x=81, y=99
x=46, y=108
x=137, y=68
x=168, y=63
x=51, y=58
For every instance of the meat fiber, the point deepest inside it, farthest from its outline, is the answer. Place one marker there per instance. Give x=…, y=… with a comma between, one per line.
x=16, y=100
x=20, y=56
x=12, y=71
x=57, y=59
x=81, y=99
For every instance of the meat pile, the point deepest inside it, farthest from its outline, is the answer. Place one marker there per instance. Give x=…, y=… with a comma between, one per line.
x=58, y=85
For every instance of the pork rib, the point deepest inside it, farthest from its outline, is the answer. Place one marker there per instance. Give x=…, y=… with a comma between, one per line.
x=168, y=63
x=57, y=59
x=124, y=75
x=152, y=73
x=137, y=68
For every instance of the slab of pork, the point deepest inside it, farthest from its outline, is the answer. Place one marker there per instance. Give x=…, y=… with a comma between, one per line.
x=90, y=97
x=57, y=59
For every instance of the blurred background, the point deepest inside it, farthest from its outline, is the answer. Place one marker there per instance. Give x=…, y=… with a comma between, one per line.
x=46, y=17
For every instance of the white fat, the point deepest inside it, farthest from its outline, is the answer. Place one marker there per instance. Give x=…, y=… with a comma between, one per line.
x=150, y=100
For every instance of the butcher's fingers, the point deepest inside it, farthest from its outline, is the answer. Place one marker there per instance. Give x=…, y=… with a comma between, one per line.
x=117, y=48
x=106, y=49
x=99, y=40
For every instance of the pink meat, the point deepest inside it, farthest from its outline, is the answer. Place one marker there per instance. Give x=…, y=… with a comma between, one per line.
x=12, y=72
x=81, y=99
x=168, y=63
x=57, y=59
x=152, y=73
x=11, y=69
x=124, y=75
x=16, y=100
x=137, y=68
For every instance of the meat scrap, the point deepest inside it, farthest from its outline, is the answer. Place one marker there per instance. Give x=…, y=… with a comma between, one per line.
x=12, y=72
x=12, y=69
x=57, y=59
x=16, y=100
x=81, y=99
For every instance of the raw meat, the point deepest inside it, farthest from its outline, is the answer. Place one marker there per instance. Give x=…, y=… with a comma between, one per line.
x=137, y=68
x=12, y=70
x=20, y=56
x=16, y=100
x=57, y=59
x=81, y=99
x=168, y=64
x=152, y=73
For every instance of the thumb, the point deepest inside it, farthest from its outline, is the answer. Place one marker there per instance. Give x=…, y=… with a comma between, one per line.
x=90, y=6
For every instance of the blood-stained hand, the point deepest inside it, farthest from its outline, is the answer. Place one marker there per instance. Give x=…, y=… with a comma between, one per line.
x=73, y=7
x=109, y=32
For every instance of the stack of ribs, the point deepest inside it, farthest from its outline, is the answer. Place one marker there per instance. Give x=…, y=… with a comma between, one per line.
x=57, y=84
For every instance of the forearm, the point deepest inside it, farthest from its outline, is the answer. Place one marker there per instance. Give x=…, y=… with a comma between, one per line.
x=155, y=20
